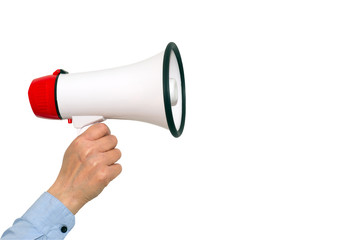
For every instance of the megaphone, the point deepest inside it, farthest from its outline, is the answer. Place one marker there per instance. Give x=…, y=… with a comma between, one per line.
x=151, y=91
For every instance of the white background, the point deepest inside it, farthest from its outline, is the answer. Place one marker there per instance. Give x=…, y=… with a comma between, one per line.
x=263, y=154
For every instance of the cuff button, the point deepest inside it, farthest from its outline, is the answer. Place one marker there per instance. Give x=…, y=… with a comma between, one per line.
x=63, y=229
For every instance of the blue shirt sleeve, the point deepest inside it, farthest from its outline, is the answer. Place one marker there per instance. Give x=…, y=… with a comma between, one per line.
x=47, y=218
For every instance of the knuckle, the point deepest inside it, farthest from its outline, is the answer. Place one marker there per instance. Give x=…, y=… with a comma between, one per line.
x=86, y=152
x=109, y=143
x=119, y=168
x=104, y=128
x=80, y=146
x=102, y=177
x=118, y=153
x=92, y=163
x=114, y=139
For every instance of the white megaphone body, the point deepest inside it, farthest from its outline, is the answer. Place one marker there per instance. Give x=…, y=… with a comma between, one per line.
x=151, y=91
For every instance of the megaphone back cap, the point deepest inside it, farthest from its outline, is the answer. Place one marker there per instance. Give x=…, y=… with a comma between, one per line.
x=42, y=97
x=176, y=126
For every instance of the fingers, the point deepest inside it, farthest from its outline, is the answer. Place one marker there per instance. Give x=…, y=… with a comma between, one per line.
x=112, y=156
x=106, y=143
x=114, y=170
x=96, y=131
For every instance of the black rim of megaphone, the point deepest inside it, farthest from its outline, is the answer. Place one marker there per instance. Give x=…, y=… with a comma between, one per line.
x=166, y=89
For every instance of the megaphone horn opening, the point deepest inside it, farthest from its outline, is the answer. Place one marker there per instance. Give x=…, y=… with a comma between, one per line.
x=175, y=105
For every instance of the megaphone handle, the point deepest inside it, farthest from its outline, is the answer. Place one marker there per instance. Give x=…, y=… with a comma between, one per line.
x=82, y=123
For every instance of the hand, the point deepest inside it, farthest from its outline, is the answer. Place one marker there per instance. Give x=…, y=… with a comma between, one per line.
x=89, y=165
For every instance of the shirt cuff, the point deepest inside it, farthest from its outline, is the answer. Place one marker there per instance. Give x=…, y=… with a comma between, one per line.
x=50, y=216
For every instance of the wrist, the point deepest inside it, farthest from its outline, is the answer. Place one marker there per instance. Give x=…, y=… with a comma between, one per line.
x=69, y=199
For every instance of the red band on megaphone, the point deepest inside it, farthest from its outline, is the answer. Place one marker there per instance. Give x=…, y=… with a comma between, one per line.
x=42, y=96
